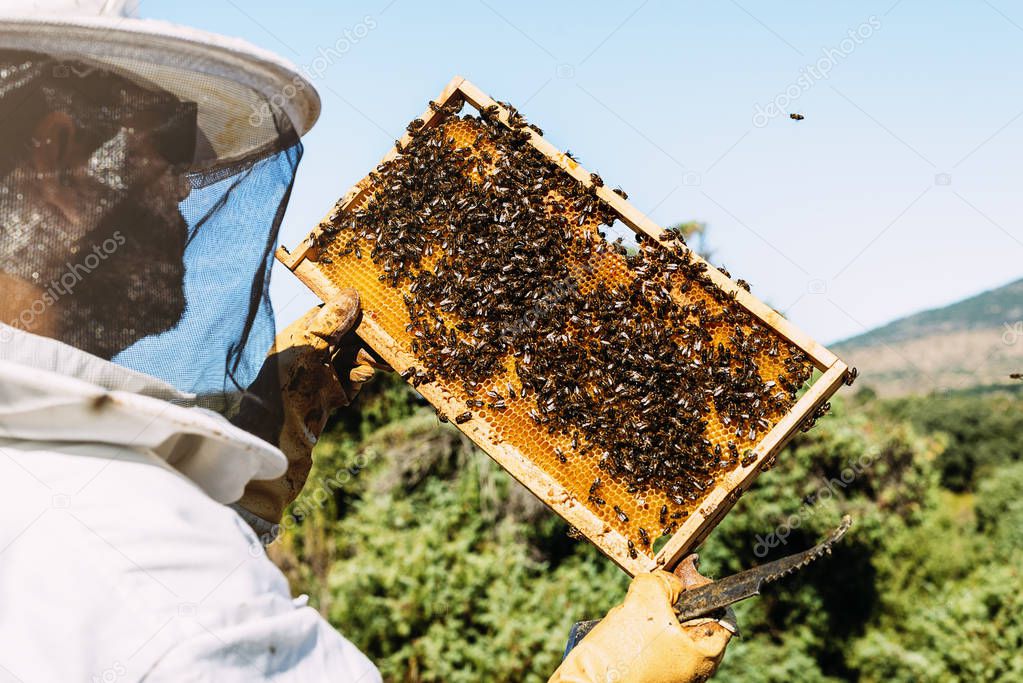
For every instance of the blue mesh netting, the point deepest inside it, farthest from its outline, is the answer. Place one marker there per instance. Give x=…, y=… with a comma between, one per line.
x=228, y=324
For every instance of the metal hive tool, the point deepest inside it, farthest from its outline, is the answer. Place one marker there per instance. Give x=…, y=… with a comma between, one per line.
x=623, y=520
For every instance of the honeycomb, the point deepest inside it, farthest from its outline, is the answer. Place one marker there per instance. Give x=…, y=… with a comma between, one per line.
x=642, y=515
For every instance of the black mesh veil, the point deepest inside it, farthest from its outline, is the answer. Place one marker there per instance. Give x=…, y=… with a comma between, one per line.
x=124, y=235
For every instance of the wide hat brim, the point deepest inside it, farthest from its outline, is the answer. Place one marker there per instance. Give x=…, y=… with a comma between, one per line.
x=242, y=92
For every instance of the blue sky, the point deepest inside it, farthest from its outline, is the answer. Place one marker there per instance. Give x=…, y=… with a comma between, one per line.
x=899, y=191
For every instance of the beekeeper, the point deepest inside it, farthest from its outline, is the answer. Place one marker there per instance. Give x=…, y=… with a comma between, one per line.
x=148, y=441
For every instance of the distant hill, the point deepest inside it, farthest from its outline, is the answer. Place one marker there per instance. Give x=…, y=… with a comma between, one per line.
x=974, y=342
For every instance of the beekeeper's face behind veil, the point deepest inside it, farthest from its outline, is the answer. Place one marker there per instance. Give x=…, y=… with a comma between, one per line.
x=93, y=170
x=125, y=234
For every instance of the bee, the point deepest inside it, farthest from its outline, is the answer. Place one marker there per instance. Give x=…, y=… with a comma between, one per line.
x=463, y=418
x=561, y=456
x=441, y=416
x=621, y=193
x=663, y=517
x=632, y=550
x=644, y=537
x=622, y=517
x=796, y=117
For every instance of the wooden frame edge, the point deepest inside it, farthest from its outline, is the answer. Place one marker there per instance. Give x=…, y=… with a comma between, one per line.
x=736, y=483
x=726, y=492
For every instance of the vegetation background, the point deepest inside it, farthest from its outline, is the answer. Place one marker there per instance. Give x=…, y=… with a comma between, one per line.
x=442, y=568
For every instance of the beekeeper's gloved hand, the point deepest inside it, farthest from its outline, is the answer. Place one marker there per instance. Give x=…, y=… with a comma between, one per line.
x=642, y=641
x=317, y=365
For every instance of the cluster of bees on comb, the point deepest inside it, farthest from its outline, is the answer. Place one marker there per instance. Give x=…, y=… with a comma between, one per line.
x=628, y=355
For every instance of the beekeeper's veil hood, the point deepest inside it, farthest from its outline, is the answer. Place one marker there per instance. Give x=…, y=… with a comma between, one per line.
x=144, y=172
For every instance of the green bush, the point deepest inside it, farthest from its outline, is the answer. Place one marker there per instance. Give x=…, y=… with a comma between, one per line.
x=984, y=431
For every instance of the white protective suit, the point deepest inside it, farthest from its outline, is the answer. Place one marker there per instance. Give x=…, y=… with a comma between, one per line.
x=119, y=560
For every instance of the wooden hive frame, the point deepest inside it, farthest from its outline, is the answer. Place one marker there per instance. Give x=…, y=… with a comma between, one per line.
x=720, y=499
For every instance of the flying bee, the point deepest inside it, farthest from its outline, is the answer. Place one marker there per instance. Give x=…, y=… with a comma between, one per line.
x=796, y=117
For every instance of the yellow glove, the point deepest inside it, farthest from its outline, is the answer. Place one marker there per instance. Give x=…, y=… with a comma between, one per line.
x=642, y=641
x=300, y=369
